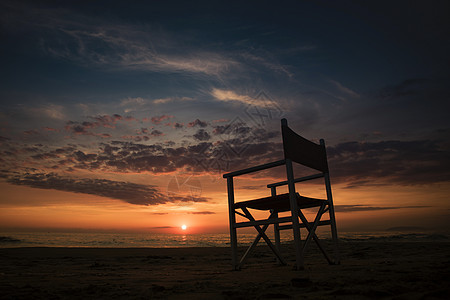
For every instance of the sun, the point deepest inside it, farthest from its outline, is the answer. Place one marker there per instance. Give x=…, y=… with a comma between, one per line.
x=183, y=227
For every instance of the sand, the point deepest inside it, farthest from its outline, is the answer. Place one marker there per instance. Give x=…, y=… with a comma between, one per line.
x=369, y=270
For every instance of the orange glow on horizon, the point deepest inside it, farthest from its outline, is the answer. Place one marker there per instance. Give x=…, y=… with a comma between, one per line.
x=44, y=208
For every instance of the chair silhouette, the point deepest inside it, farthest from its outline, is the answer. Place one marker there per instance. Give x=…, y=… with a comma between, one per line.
x=304, y=152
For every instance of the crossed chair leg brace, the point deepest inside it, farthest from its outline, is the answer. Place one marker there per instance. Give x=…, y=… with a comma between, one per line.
x=311, y=227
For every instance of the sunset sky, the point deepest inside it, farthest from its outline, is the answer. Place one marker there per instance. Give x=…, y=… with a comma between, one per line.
x=123, y=115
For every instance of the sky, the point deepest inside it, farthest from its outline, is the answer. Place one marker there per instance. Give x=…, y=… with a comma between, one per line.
x=124, y=115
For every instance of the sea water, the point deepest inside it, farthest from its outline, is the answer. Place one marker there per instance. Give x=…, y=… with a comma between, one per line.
x=155, y=240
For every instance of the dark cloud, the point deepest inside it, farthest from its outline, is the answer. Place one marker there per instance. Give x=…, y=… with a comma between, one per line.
x=43, y=156
x=409, y=87
x=163, y=227
x=202, y=213
x=158, y=119
x=198, y=123
x=106, y=120
x=202, y=135
x=31, y=132
x=85, y=127
x=79, y=129
x=156, y=133
x=82, y=157
x=399, y=162
x=358, y=208
x=354, y=164
x=132, y=193
x=235, y=128
x=253, y=187
x=50, y=129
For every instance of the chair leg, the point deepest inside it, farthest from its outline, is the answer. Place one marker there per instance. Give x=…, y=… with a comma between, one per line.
x=294, y=214
x=276, y=232
x=312, y=233
x=261, y=232
x=252, y=246
x=233, y=242
x=334, y=236
x=332, y=219
x=232, y=220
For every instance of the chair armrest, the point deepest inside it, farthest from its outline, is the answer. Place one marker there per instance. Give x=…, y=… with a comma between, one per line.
x=296, y=180
x=254, y=169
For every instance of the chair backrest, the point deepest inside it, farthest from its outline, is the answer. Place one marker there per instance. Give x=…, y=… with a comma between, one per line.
x=303, y=151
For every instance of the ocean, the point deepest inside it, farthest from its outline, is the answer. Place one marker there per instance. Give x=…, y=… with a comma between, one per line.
x=152, y=240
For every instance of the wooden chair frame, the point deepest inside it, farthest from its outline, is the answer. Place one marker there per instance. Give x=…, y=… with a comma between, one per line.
x=293, y=151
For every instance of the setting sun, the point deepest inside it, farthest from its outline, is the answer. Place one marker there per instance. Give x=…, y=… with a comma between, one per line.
x=183, y=227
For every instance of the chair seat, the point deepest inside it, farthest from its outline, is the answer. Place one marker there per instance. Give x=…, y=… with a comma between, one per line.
x=279, y=203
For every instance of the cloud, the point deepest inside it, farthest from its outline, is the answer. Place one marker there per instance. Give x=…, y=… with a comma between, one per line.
x=89, y=41
x=95, y=40
x=261, y=100
x=133, y=101
x=388, y=162
x=409, y=87
x=221, y=121
x=253, y=187
x=51, y=111
x=107, y=120
x=156, y=133
x=202, y=213
x=358, y=208
x=133, y=104
x=162, y=227
x=177, y=125
x=50, y=129
x=267, y=60
x=84, y=128
x=98, y=41
x=171, y=99
x=158, y=119
x=228, y=95
x=30, y=132
x=132, y=193
x=202, y=135
x=197, y=122
x=347, y=91
x=232, y=147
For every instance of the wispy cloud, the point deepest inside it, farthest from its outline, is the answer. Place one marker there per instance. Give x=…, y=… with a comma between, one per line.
x=96, y=41
x=231, y=96
x=268, y=61
x=171, y=99
x=345, y=90
x=89, y=40
x=357, y=208
x=47, y=111
x=131, y=48
x=133, y=104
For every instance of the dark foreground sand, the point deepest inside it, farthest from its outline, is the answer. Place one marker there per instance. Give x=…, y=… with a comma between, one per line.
x=369, y=270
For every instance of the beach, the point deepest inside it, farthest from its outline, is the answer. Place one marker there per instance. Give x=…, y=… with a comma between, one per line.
x=369, y=269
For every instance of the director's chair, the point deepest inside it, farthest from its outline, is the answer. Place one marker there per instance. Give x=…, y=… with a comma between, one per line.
x=304, y=152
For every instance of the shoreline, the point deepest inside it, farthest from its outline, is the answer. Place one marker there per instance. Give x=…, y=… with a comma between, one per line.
x=369, y=269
